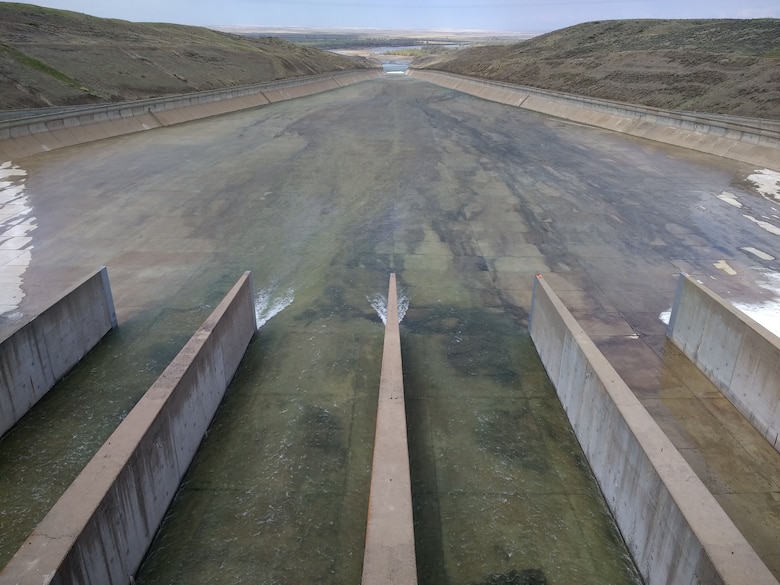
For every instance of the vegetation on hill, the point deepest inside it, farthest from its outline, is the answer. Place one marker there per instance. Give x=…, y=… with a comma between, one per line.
x=55, y=57
x=718, y=66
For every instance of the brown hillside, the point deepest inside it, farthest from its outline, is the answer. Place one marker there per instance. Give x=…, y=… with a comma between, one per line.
x=55, y=57
x=718, y=66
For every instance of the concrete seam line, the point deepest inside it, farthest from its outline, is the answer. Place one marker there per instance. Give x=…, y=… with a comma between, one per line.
x=155, y=118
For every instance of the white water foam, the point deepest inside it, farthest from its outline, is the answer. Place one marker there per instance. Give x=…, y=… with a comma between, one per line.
x=766, y=314
x=268, y=304
x=16, y=224
x=767, y=183
x=379, y=302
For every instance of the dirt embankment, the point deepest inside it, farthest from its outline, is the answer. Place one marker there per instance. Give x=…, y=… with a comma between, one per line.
x=718, y=66
x=55, y=57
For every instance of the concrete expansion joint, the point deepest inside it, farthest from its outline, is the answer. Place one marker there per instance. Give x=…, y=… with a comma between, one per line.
x=155, y=118
x=53, y=538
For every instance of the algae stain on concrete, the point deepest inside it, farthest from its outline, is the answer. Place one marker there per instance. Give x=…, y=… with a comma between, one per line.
x=501, y=489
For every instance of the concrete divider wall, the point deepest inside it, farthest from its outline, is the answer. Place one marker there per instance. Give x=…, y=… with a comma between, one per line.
x=389, y=555
x=35, y=356
x=99, y=530
x=22, y=137
x=748, y=140
x=739, y=356
x=674, y=528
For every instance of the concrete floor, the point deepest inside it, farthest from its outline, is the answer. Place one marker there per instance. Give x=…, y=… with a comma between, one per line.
x=610, y=221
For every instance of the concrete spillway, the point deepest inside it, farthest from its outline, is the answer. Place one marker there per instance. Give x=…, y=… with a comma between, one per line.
x=280, y=489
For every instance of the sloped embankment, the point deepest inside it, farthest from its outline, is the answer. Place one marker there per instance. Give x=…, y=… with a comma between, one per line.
x=56, y=57
x=717, y=66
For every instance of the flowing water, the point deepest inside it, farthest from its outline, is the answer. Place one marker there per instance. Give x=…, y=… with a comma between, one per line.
x=278, y=492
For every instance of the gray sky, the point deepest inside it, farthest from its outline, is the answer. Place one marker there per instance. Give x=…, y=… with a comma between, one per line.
x=508, y=15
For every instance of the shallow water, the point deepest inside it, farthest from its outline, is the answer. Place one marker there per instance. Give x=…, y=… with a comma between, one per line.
x=278, y=492
x=501, y=488
x=322, y=198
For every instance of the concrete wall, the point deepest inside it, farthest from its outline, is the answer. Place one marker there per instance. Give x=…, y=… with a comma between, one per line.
x=748, y=140
x=739, y=356
x=674, y=528
x=98, y=531
x=22, y=137
x=389, y=555
x=35, y=356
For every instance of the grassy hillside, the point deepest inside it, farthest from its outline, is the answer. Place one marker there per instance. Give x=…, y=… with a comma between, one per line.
x=55, y=57
x=719, y=66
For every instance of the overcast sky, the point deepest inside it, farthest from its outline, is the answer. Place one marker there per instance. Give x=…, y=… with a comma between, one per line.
x=507, y=15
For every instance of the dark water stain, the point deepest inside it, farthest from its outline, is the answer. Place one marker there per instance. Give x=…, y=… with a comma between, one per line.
x=331, y=303
x=513, y=577
x=428, y=530
x=515, y=435
x=363, y=243
x=379, y=263
x=476, y=339
x=323, y=431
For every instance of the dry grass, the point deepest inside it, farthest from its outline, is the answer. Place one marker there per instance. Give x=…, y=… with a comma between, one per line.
x=55, y=57
x=719, y=66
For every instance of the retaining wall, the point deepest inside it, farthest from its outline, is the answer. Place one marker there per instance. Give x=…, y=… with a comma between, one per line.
x=674, y=528
x=739, y=356
x=22, y=137
x=38, y=354
x=99, y=530
x=754, y=141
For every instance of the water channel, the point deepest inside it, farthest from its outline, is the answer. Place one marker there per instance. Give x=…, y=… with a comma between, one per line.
x=321, y=198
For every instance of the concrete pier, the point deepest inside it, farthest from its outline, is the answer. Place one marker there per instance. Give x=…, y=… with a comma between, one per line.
x=101, y=527
x=389, y=556
x=673, y=526
x=40, y=352
x=738, y=355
